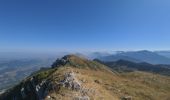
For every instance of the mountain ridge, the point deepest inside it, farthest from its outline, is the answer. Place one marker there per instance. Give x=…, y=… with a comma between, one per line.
x=64, y=70
x=124, y=65
x=76, y=78
x=138, y=56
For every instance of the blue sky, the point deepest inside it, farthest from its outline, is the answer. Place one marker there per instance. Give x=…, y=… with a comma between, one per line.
x=84, y=25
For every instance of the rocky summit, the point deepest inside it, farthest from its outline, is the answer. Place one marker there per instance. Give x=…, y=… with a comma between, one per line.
x=76, y=78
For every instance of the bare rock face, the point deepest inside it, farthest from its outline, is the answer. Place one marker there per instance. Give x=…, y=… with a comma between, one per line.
x=23, y=93
x=70, y=81
x=60, y=62
x=82, y=98
x=126, y=98
x=63, y=61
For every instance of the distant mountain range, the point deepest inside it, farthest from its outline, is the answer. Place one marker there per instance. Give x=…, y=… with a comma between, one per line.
x=163, y=53
x=139, y=56
x=127, y=66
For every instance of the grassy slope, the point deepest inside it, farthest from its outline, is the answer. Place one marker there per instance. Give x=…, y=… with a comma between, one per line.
x=139, y=85
x=89, y=77
x=142, y=85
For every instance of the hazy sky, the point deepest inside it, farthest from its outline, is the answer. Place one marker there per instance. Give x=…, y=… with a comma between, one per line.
x=84, y=25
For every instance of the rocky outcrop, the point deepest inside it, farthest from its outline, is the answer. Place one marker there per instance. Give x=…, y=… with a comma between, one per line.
x=126, y=98
x=45, y=87
x=32, y=89
x=82, y=98
x=70, y=81
x=60, y=62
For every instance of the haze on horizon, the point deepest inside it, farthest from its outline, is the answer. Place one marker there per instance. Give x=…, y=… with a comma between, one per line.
x=84, y=25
